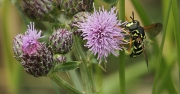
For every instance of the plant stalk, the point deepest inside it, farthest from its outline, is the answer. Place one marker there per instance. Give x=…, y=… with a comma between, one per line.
x=121, y=11
x=63, y=84
x=84, y=69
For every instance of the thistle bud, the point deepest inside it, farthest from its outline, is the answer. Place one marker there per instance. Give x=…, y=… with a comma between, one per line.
x=43, y=10
x=39, y=63
x=17, y=45
x=59, y=58
x=78, y=18
x=71, y=7
x=61, y=41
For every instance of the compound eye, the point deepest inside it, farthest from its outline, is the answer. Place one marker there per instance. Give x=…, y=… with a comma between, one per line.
x=136, y=22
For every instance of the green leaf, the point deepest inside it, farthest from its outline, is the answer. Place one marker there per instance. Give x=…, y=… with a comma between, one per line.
x=64, y=67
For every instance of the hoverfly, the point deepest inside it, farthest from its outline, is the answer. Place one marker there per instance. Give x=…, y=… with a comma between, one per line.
x=137, y=35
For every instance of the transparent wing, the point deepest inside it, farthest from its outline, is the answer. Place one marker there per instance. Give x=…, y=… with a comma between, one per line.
x=153, y=29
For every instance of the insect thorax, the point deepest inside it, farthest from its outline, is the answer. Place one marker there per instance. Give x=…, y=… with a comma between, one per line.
x=135, y=30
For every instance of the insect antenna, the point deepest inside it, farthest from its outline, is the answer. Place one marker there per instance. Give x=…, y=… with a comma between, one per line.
x=132, y=17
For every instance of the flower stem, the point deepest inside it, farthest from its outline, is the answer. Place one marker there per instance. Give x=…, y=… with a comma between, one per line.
x=84, y=69
x=121, y=11
x=63, y=84
x=122, y=73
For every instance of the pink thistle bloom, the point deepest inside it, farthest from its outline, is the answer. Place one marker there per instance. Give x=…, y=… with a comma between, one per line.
x=30, y=42
x=101, y=31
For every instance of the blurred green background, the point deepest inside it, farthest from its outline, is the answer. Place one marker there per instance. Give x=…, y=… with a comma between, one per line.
x=14, y=80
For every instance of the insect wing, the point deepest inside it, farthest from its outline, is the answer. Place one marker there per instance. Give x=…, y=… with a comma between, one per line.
x=145, y=55
x=153, y=29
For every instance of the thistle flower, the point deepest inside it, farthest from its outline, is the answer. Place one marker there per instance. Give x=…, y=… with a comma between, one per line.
x=35, y=57
x=30, y=40
x=101, y=31
x=61, y=41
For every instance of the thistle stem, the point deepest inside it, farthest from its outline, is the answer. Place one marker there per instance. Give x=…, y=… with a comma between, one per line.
x=84, y=69
x=121, y=11
x=122, y=73
x=63, y=84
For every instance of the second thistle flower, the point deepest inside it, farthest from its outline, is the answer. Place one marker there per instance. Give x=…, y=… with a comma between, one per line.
x=101, y=31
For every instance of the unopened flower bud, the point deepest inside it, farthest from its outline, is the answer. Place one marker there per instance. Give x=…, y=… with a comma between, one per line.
x=71, y=7
x=43, y=10
x=61, y=41
x=17, y=45
x=77, y=19
x=59, y=58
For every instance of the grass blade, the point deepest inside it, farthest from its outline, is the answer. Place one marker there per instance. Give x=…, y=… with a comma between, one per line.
x=161, y=49
x=176, y=32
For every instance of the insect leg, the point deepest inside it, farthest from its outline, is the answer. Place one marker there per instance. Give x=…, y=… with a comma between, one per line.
x=130, y=45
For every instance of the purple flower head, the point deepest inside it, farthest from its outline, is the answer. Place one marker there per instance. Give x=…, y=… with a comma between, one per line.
x=102, y=33
x=30, y=42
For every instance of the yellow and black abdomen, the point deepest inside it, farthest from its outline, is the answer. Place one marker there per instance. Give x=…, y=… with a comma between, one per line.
x=137, y=35
x=137, y=49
